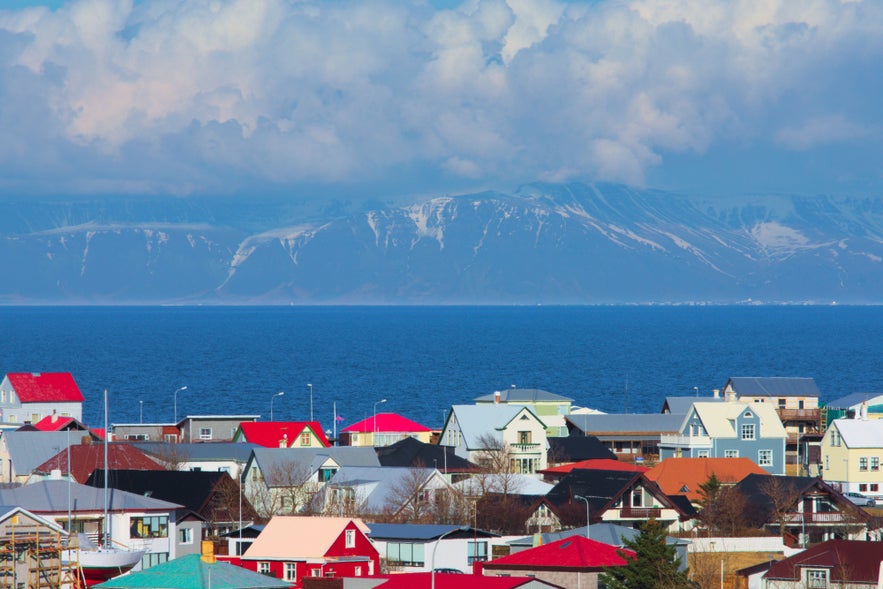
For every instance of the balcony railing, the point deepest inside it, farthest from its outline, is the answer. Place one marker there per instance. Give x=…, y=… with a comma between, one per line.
x=640, y=512
x=831, y=517
x=685, y=441
x=799, y=414
x=525, y=448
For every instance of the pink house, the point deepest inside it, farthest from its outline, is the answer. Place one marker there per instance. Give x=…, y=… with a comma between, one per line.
x=293, y=547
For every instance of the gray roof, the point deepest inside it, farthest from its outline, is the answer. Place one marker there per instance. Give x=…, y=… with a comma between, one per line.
x=774, y=386
x=629, y=423
x=30, y=449
x=854, y=400
x=418, y=531
x=311, y=459
x=682, y=405
x=55, y=496
x=605, y=533
x=476, y=421
x=236, y=451
x=381, y=485
x=523, y=396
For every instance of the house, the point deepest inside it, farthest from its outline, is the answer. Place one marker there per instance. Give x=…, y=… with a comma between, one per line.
x=23, y=451
x=292, y=548
x=28, y=397
x=683, y=476
x=145, y=432
x=619, y=497
x=404, y=494
x=284, y=480
x=54, y=423
x=211, y=428
x=214, y=496
x=195, y=571
x=410, y=548
x=134, y=521
x=854, y=405
x=383, y=429
x=226, y=457
x=414, y=453
x=805, y=510
x=835, y=563
x=577, y=448
x=477, y=431
x=630, y=436
x=681, y=405
x=240, y=539
x=81, y=460
x=575, y=561
x=549, y=407
x=554, y=473
x=729, y=430
x=851, y=451
x=282, y=434
x=31, y=548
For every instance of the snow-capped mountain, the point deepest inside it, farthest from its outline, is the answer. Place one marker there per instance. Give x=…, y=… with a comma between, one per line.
x=545, y=243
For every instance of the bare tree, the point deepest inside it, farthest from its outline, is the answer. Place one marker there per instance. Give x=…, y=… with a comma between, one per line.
x=782, y=497
x=285, y=488
x=409, y=499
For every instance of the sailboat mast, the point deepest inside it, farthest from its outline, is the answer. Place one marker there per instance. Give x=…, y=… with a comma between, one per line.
x=106, y=520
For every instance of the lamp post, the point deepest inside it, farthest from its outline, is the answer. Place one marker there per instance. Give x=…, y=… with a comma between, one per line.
x=273, y=398
x=140, y=411
x=178, y=390
x=311, y=401
x=435, y=547
x=581, y=498
x=374, y=428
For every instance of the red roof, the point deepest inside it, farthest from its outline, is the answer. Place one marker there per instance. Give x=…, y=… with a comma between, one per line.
x=88, y=457
x=452, y=581
x=595, y=464
x=573, y=552
x=46, y=387
x=682, y=476
x=855, y=561
x=54, y=423
x=386, y=423
x=269, y=433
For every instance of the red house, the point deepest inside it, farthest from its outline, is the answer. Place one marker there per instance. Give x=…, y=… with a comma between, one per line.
x=282, y=434
x=28, y=397
x=293, y=547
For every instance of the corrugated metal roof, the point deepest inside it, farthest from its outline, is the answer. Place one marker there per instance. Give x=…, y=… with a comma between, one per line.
x=45, y=387
x=860, y=433
x=297, y=537
x=380, y=487
x=270, y=434
x=773, y=386
x=523, y=396
x=386, y=423
x=854, y=401
x=191, y=572
x=573, y=552
x=199, y=452
x=86, y=458
x=476, y=421
x=57, y=496
x=409, y=531
x=29, y=449
x=649, y=423
x=311, y=459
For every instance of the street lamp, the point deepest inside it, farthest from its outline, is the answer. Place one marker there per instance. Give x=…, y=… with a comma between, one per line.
x=279, y=394
x=311, y=401
x=581, y=498
x=435, y=547
x=374, y=432
x=140, y=411
x=178, y=390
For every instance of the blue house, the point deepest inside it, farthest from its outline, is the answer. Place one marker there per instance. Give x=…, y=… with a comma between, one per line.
x=729, y=430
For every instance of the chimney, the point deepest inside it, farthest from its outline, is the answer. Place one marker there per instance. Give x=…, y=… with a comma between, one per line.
x=54, y=416
x=86, y=440
x=730, y=396
x=497, y=395
x=55, y=474
x=717, y=393
x=208, y=552
x=864, y=411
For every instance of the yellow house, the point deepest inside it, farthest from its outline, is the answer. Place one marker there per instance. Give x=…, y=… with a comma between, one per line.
x=851, y=453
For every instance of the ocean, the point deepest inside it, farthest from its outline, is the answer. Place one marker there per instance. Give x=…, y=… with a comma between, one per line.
x=421, y=360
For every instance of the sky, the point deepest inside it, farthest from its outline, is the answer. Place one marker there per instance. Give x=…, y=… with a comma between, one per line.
x=242, y=97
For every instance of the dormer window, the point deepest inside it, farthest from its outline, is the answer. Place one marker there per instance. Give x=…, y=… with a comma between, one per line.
x=748, y=431
x=748, y=415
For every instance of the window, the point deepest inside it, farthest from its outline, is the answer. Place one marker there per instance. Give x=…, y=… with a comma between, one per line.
x=350, y=538
x=476, y=552
x=316, y=573
x=875, y=463
x=874, y=487
x=291, y=572
x=523, y=465
x=637, y=498
x=835, y=437
x=264, y=568
x=800, y=404
x=862, y=487
x=142, y=437
x=863, y=463
x=781, y=403
x=153, y=558
x=35, y=417
x=702, y=454
x=171, y=438
x=155, y=526
x=306, y=439
x=747, y=431
x=731, y=454
x=357, y=572
x=205, y=433
x=185, y=536
x=524, y=437
x=816, y=578
x=827, y=462
x=405, y=554
x=764, y=457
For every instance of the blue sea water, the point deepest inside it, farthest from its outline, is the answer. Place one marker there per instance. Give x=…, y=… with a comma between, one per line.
x=424, y=359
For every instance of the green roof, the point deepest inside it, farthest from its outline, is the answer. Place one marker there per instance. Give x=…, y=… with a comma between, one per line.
x=190, y=572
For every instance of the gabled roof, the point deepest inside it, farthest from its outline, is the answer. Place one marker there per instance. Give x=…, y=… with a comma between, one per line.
x=854, y=400
x=773, y=386
x=605, y=533
x=386, y=423
x=85, y=458
x=54, y=423
x=599, y=464
x=424, y=532
x=381, y=487
x=682, y=476
x=412, y=452
x=54, y=496
x=269, y=434
x=309, y=460
x=573, y=553
x=850, y=561
x=757, y=488
x=46, y=387
x=216, y=451
x=191, y=572
x=523, y=396
x=682, y=404
x=29, y=449
x=299, y=537
x=719, y=419
x=513, y=484
x=575, y=448
x=859, y=433
x=456, y=581
x=476, y=421
x=633, y=424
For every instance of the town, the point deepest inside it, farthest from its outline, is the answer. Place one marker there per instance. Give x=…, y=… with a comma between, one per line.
x=757, y=486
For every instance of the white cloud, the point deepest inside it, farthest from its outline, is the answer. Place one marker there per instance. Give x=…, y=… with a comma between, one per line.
x=178, y=95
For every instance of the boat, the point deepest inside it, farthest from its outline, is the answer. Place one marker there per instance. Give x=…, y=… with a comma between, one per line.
x=99, y=563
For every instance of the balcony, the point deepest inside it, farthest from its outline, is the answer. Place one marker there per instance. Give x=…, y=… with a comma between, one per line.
x=678, y=441
x=831, y=517
x=812, y=415
x=525, y=448
x=640, y=512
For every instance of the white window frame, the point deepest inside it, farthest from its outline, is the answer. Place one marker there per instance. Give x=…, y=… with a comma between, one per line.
x=701, y=453
x=350, y=538
x=731, y=454
x=748, y=431
x=264, y=567
x=863, y=463
x=205, y=433
x=186, y=535
x=764, y=458
x=290, y=573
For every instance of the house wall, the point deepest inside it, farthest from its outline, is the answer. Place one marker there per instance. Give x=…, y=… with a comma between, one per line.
x=22, y=413
x=452, y=553
x=150, y=432
x=536, y=449
x=842, y=466
x=560, y=578
x=223, y=429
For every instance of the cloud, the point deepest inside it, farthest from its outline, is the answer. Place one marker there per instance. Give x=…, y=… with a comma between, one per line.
x=208, y=95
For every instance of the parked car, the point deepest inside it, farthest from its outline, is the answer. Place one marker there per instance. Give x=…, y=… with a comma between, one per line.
x=860, y=499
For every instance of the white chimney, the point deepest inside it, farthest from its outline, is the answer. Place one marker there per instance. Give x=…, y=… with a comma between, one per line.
x=717, y=393
x=55, y=474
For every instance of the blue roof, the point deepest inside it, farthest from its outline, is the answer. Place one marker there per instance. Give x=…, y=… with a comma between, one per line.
x=853, y=400
x=628, y=423
x=418, y=531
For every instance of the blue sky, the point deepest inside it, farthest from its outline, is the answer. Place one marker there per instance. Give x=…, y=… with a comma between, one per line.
x=186, y=97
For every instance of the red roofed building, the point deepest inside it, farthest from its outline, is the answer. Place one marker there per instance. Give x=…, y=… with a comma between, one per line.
x=574, y=561
x=382, y=430
x=27, y=397
x=554, y=473
x=835, y=563
x=682, y=476
x=54, y=423
x=457, y=581
x=85, y=458
x=282, y=434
